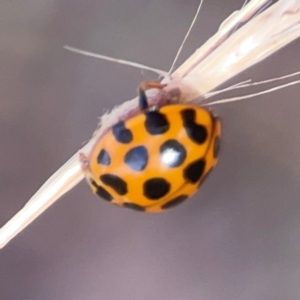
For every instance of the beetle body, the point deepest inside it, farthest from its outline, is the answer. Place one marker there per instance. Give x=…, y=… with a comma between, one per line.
x=156, y=159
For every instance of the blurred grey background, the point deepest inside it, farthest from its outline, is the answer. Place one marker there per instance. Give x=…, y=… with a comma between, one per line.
x=238, y=238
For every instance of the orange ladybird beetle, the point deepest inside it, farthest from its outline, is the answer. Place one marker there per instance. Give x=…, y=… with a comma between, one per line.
x=156, y=159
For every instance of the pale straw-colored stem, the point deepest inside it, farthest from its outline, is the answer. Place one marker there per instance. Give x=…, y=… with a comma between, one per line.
x=223, y=56
x=68, y=176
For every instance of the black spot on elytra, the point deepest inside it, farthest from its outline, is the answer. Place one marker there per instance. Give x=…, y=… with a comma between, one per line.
x=101, y=192
x=156, y=122
x=134, y=206
x=174, y=202
x=137, y=158
x=197, y=133
x=115, y=182
x=156, y=188
x=172, y=153
x=194, y=171
x=121, y=133
x=103, y=158
x=217, y=146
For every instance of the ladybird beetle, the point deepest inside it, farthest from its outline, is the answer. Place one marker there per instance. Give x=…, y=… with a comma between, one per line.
x=156, y=159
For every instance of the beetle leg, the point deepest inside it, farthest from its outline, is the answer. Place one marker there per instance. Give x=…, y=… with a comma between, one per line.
x=146, y=85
